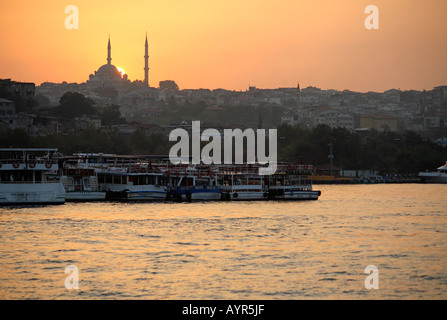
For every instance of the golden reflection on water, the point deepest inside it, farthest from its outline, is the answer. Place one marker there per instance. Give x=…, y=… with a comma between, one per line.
x=229, y=250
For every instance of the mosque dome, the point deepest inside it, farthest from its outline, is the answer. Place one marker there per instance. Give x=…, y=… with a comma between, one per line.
x=108, y=71
x=110, y=75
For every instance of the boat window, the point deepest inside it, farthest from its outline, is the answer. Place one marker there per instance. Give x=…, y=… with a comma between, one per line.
x=5, y=176
x=163, y=181
x=139, y=180
x=117, y=179
x=52, y=178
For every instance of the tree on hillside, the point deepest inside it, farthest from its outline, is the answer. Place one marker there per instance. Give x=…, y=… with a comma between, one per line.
x=111, y=115
x=75, y=104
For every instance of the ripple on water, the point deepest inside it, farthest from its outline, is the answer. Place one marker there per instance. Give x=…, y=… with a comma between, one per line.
x=247, y=250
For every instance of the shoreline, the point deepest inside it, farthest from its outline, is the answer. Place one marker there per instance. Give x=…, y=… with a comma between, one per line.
x=360, y=181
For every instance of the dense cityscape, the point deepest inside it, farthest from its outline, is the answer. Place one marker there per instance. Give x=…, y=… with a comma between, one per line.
x=393, y=110
x=225, y=158
x=124, y=116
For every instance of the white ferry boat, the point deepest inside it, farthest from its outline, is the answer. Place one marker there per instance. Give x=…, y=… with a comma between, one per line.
x=438, y=176
x=29, y=176
x=80, y=184
x=126, y=178
x=292, y=182
x=192, y=183
x=242, y=183
x=131, y=185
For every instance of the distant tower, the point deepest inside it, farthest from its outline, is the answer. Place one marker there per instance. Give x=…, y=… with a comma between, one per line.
x=146, y=63
x=109, y=53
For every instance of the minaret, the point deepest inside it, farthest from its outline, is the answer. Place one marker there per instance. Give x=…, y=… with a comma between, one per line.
x=109, y=53
x=146, y=63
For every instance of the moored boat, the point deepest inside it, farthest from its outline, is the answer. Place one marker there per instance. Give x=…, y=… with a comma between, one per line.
x=79, y=180
x=292, y=182
x=132, y=186
x=242, y=182
x=438, y=176
x=81, y=185
x=29, y=176
x=131, y=178
x=192, y=183
x=121, y=177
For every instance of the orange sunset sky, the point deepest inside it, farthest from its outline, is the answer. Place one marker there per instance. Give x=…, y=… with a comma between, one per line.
x=231, y=44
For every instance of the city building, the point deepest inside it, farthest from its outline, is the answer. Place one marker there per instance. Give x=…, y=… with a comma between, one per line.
x=335, y=119
x=380, y=122
x=10, y=119
x=7, y=108
x=24, y=89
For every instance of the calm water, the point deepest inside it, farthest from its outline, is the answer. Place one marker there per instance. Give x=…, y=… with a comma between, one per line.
x=248, y=250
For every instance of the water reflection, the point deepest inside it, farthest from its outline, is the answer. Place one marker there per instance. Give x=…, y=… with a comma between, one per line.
x=247, y=250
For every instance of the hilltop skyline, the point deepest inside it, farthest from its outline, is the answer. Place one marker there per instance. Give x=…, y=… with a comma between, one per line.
x=232, y=45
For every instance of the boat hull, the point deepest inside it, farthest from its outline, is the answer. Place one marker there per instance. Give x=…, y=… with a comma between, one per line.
x=433, y=177
x=32, y=193
x=202, y=196
x=279, y=194
x=85, y=196
x=245, y=196
x=151, y=195
x=139, y=193
x=195, y=195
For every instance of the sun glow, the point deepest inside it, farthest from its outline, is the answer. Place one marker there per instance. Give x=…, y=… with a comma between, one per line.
x=205, y=44
x=121, y=71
